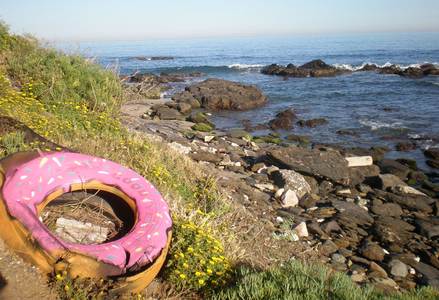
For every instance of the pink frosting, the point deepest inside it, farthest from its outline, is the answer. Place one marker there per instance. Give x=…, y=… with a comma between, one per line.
x=30, y=183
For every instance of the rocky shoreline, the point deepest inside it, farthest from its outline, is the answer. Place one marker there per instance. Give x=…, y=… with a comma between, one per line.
x=374, y=218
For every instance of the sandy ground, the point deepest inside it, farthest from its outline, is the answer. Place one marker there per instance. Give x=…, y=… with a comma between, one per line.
x=21, y=280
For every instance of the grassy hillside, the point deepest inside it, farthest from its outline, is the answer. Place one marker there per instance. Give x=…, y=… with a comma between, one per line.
x=75, y=103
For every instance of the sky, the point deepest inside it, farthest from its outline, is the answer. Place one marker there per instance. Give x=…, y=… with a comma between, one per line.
x=94, y=20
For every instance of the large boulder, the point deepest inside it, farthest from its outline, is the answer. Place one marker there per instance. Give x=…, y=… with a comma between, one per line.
x=322, y=164
x=218, y=94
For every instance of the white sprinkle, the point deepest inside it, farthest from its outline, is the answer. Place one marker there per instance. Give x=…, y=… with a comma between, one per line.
x=50, y=180
x=103, y=172
x=146, y=200
x=135, y=179
x=40, y=179
x=56, y=161
x=32, y=194
x=148, y=236
x=159, y=215
x=140, y=249
x=77, y=163
x=43, y=161
x=26, y=198
x=115, y=246
x=23, y=177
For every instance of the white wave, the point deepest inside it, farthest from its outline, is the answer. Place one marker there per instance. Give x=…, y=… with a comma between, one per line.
x=354, y=68
x=244, y=66
x=375, y=125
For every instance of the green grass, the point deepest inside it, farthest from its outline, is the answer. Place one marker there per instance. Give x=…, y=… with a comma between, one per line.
x=297, y=280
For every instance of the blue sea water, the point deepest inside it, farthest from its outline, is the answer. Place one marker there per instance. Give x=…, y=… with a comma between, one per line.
x=382, y=109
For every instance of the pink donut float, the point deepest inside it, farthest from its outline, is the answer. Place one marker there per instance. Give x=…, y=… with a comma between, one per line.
x=28, y=185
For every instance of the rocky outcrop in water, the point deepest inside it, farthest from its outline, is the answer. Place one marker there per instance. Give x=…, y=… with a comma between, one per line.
x=318, y=68
x=218, y=94
x=315, y=68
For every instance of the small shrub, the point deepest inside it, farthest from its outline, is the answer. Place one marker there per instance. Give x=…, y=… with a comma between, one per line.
x=203, y=127
x=196, y=260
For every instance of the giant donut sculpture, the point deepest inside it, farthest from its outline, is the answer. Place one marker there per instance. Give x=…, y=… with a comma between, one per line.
x=31, y=180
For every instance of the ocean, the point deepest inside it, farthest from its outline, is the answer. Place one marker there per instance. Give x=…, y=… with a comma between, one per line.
x=382, y=110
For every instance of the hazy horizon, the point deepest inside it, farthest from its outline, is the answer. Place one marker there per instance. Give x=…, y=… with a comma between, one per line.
x=137, y=20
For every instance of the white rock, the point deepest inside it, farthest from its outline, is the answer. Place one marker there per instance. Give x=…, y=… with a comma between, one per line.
x=180, y=148
x=209, y=138
x=292, y=180
x=409, y=190
x=279, y=193
x=279, y=219
x=344, y=192
x=289, y=199
x=301, y=230
x=359, y=161
x=80, y=232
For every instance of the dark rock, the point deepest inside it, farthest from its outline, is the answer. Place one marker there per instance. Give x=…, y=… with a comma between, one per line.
x=328, y=248
x=409, y=201
x=394, y=167
x=411, y=163
x=302, y=139
x=283, y=120
x=218, y=94
x=429, y=69
x=307, y=201
x=378, y=270
x=199, y=117
x=405, y=146
x=428, y=229
x=239, y=134
x=312, y=162
x=413, y=72
x=360, y=260
x=391, y=70
x=346, y=132
x=432, y=153
x=205, y=156
x=314, y=228
x=316, y=64
x=354, y=213
x=386, y=181
x=312, y=123
x=434, y=163
x=315, y=68
x=372, y=251
x=187, y=97
x=368, y=67
x=430, y=274
x=387, y=209
x=331, y=226
x=358, y=175
x=164, y=112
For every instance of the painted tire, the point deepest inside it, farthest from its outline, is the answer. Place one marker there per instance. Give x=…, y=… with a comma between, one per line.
x=29, y=186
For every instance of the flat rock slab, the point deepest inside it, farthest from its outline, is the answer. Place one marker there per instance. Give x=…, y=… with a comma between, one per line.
x=324, y=164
